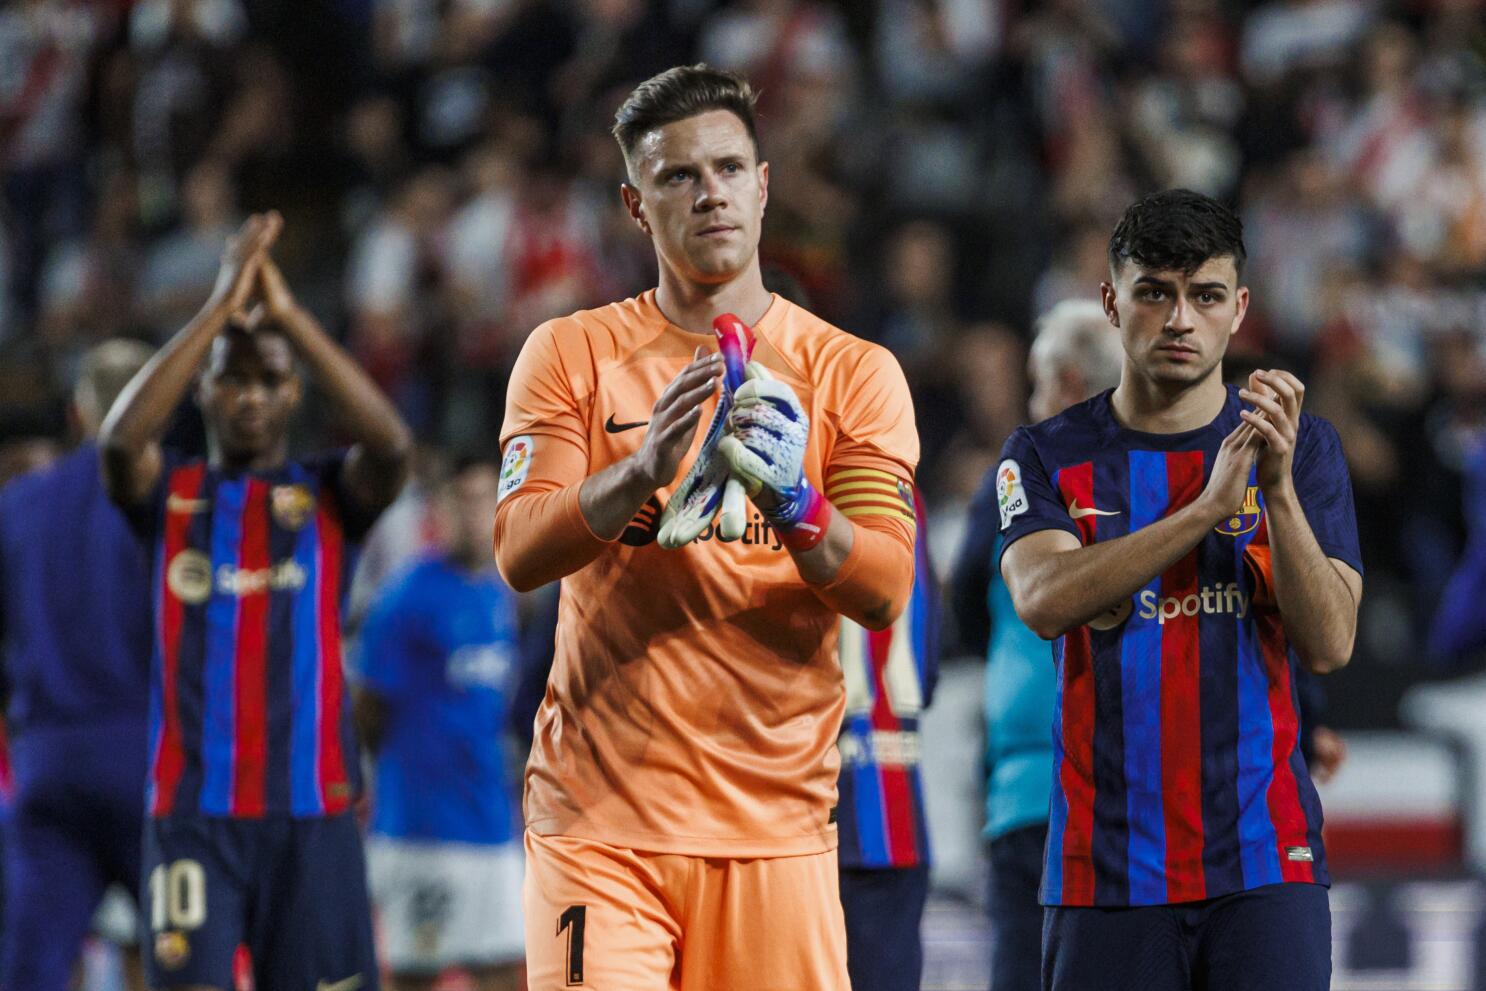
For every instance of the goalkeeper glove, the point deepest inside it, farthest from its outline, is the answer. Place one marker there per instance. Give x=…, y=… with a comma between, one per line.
x=765, y=447
x=708, y=484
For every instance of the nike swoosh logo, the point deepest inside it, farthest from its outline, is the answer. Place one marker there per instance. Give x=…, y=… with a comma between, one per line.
x=1078, y=512
x=349, y=984
x=619, y=428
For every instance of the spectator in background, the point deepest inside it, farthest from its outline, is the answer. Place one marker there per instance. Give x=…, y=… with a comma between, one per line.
x=884, y=834
x=1075, y=355
x=89, y=283
x=181, y=267
x=439, y=663
x=1459, y=628
x=395, y=289
x=76, y=639
x=183, y=80
x=45, y=48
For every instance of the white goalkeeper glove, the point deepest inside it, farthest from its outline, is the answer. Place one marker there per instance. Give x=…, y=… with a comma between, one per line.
x=765, y=446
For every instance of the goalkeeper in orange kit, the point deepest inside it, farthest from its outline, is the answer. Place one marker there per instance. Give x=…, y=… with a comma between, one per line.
x=681, y=788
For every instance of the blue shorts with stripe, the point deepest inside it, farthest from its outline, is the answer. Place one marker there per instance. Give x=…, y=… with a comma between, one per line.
x=292, y=890
x=1275, y=936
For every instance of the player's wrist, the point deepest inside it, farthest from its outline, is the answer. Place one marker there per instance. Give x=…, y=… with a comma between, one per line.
x=800, y=515
x=639, y=476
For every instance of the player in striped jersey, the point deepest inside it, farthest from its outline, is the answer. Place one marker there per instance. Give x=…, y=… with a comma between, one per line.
x=1188, y=544
x=249, y=836
x=884, y=852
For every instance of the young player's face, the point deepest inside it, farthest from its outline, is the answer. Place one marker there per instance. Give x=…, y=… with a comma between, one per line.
x=1176, y=326
x=699, y=192
x=249, y=392
x=470, y=504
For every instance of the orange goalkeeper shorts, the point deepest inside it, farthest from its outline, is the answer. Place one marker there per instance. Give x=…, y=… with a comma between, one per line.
x=614, y=919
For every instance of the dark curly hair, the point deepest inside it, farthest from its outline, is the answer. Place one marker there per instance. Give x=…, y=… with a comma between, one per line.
x=1177, y=229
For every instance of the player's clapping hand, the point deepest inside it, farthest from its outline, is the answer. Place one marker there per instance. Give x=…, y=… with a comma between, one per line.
x=1277, y=397
x=237, y=277
x=274, y=289
x=767, y=433
x=1229, y=481
x=675, y=416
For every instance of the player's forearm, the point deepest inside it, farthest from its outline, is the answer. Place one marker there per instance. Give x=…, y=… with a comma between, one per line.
x=143, y=409
x=609, y=499
x=369, y=415
x=1317, y=606
x=1066, y=589
x=864, y=574
x=541, y=537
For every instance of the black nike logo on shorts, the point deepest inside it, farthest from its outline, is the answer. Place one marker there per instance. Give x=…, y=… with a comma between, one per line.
x=619, y=428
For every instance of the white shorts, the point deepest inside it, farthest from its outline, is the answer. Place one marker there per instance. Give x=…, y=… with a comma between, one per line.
x=446, y=904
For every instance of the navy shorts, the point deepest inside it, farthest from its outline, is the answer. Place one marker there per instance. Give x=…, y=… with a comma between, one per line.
x=883, y=909
x=74, y=829
x=1276, y=936
x=1016, y=917
x=292, y=890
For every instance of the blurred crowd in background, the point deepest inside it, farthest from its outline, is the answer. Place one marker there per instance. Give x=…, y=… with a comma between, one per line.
x=942, y=172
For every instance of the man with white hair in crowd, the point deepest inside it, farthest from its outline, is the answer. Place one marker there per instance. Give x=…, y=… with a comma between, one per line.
x=1075, y=355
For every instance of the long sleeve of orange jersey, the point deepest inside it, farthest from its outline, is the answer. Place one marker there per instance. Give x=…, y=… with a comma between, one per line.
x=868, y=479
x=541, y=534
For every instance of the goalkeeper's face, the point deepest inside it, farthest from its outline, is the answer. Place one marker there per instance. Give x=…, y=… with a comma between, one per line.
x=698, y=189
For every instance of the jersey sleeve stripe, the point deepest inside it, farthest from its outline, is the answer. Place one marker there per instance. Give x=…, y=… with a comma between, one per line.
x=891, y=488
x=871, y=498
x=856, y=511
x=849, y=473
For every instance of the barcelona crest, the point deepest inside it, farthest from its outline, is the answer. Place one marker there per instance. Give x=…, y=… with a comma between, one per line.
x=291, y=505
x=1246, y=518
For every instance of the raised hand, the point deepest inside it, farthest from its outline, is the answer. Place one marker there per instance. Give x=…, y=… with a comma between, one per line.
x=675, y=417
x=274, y=289
x=1229, y=481
x=1277, y=397
x=237, y=277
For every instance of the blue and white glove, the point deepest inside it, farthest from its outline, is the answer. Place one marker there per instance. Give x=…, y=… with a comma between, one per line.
x=765, y=446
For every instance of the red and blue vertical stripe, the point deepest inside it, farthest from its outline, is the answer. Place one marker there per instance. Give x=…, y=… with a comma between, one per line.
x=249, y=709
x=1177, y=772
x=881, y=820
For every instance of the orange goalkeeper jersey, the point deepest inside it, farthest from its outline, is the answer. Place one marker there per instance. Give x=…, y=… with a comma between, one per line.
x=695, y=696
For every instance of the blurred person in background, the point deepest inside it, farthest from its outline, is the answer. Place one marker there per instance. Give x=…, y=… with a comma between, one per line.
x=249, y=834
x=45, y=50
x=884, y=834
x=439, y=663
x=75, y=633
x=1075, y=355
x=182, y=265
x=1188, y=545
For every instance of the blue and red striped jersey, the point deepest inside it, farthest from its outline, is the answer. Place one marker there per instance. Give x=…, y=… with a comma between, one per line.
x=889, y=676
x=1178, y=773
x=249, y=713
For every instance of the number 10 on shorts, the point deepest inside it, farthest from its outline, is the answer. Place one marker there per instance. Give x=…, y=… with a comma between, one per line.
x=177, y=896
x=573, y=921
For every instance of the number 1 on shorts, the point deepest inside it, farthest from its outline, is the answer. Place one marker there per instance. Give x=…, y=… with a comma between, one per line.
x=575, y=917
